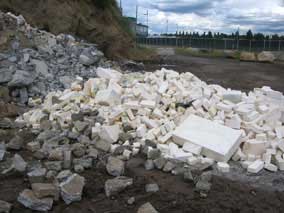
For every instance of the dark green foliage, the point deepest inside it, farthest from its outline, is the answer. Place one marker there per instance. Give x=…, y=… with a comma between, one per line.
x=103, y=4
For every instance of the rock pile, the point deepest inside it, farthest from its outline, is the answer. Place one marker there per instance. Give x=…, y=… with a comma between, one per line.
x=173, y=117
x=42, y=62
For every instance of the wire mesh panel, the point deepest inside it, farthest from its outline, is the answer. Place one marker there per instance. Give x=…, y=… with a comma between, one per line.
x=213, y=43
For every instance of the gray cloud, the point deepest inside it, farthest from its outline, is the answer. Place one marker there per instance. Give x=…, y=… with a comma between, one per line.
x=214, y=15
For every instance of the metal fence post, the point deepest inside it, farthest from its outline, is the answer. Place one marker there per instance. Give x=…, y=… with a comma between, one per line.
x=250, y=45
x=264, y=45
x=225, y=44
x=279, y=45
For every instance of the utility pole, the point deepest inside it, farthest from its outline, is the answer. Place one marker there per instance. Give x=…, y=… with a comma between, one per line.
x=167, y=28
x=136, y=19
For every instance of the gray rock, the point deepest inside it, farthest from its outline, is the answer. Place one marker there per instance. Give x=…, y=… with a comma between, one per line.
x=160, y=162
x=78, y=168
x=152, y=187
x=5, y=207
x=78, y=150
x=37, y=175
x=85, y=162
x=103, y=145
x=66, y=81
x=116, y=185
x=2, y=155
x=53, y=165
x=153, y=153
x=42, y=190
x=63, y=175
x=149, y=165
x=24, y=97
x=51, y=175
x=19, y=163
x=33, y=146
x=21, y=79
x=169, y=166
x=16, y=143
x=5, y=75
x=131, y=201
x=115, y=166
x=206, y=176
x=203, y=186
x=56, y=155
x=72, y=188
x=188, y=176
x=29, y=200
x=41, y=68
x=147, y=208
x=67, y=159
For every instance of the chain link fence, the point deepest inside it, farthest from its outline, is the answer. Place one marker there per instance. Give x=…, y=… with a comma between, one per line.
x=221, y=44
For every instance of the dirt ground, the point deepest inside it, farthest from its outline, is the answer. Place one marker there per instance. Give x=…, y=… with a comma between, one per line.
x=229, y=73
x=236, y=192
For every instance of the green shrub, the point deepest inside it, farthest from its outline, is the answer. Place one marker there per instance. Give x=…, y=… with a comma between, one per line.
x=103, y=4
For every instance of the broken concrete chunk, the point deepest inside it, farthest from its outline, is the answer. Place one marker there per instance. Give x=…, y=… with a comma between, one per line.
x=19, y=163
x=108, y=74
x=153, y=187
x=147, y=208
x=72, y=189
x=218, y=142
x=5, y=207
x=42, y=190
x=108, y=97
x=37, y=175
x=115, y=166
x=110, y=134
x=116, y=185
x=29, y=200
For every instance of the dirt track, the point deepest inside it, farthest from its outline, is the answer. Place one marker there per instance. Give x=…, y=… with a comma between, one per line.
x=229, y=73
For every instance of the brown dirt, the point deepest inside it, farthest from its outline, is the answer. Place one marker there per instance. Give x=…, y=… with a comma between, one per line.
x=78, y=17
x=174, y=196
x=229, y=73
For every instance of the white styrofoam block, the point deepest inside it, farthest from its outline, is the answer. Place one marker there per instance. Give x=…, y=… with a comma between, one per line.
x=192, y=148
x=148, y=103
x=256, y=166
x=234, y=122
x=223, y=167
x=218, y=142
x=271, y=167
x=254, y=147
x=233, y=96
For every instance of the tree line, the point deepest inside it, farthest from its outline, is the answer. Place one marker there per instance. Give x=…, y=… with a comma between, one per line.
x=249, y=35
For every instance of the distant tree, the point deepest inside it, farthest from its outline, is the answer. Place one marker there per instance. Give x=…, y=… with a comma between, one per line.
x=275, y=37
x=249, y=35
x=258, y=36
x=209, y=35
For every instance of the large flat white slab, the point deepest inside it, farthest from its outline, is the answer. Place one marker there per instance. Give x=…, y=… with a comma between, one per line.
x=217, y=141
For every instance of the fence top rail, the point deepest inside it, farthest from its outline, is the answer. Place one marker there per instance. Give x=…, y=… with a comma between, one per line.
x=221, y=39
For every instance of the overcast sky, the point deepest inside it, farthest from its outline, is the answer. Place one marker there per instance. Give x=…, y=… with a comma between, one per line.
x=266, y=16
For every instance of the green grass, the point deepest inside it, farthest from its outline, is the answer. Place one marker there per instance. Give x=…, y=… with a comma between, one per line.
x=207, y=53
x=142, y=53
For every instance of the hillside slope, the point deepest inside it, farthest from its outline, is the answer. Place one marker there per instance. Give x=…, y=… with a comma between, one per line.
x=83, y=18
